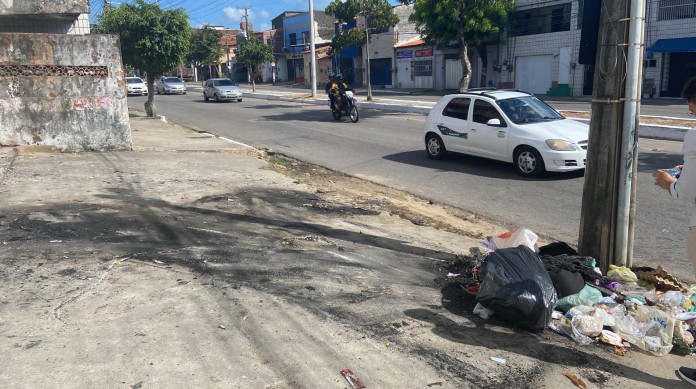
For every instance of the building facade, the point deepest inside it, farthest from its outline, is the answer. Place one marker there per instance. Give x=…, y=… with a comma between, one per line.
x=296, y=39
x=537, y=50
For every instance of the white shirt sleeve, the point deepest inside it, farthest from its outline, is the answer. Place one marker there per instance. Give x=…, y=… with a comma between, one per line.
x=684, y=188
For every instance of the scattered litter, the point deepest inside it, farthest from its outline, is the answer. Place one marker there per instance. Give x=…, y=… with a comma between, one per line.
x=499, y=360
x=55, y=241
x=353, y=380
x=221, y=327
x=111, y=279
x=686, y=316
x=439, y=383
x=611, y=338
x=156, y=261
x=577, y=381
x=483, y=312
x=640, y=307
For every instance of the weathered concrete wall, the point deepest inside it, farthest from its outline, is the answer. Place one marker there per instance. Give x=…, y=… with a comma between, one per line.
x=35, y=7
x=63, y=90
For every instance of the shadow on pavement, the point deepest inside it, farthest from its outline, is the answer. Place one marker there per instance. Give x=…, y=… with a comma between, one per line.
x=482, y=167
x=651, y=160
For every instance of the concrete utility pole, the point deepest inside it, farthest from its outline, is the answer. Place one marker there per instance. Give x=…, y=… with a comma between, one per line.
x=367, y=59
x=312, y=52
x=246, y=32
x=606, y=219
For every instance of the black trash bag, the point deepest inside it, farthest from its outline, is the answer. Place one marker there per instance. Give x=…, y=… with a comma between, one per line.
x=516, y=286
x=557, y=248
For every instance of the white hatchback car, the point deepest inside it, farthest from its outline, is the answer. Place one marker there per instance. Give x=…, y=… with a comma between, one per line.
x=136, y=86
x=507, y=125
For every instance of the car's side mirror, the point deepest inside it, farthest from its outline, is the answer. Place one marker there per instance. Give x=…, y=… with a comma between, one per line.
x=494, y=123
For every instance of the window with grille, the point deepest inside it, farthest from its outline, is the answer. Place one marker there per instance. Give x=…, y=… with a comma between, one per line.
x=423, y=68
x=540, y=20
x=676, y=9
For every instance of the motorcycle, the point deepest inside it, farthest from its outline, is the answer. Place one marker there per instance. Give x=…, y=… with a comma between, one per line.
x=349, y=107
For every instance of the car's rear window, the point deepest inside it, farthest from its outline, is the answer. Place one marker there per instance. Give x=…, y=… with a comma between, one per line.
x=134, y=80
x=172, y=79
x=223, y=83
x=457, y=108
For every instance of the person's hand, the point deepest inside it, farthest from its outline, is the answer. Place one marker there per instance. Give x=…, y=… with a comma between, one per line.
x=663, y=179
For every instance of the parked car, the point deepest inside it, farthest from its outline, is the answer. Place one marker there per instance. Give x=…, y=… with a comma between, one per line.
x=506, y=125
x=135, y=86
x=221, y=89
x=170, y=85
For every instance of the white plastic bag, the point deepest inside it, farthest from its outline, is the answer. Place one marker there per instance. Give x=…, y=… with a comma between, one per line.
x=514, y=238
x=587, y=320
x=674, y=298
x=482, y=311
x=651, y=329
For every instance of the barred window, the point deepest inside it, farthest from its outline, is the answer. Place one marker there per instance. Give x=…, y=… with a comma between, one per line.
x=676, y=9
x=423, y=68
x=540, y=20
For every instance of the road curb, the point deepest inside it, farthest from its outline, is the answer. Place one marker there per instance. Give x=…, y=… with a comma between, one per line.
x=654, y=132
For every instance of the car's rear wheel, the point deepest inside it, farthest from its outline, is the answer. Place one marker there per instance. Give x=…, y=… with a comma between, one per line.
x=217, y=99
x=239, y=100
x=528, y=162
x=435, y=147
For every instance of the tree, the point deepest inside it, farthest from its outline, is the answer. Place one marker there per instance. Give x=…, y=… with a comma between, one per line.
x=378, y=16
x=252, y=53
x=152, y=39
x=462, y=21
x=205, y=47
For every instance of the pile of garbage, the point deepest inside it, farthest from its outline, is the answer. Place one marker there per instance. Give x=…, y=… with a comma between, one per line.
x=535, y=288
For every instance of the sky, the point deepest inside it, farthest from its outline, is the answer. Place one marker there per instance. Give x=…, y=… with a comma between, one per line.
x=226, y=13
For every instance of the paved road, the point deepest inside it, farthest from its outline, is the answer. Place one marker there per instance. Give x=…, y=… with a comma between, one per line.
x=388, y=148
x=671, y=107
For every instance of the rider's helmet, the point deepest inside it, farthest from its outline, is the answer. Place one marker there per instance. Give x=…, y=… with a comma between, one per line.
x=339, y=76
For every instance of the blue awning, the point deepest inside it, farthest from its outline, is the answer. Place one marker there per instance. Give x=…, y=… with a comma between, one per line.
x=672, y=45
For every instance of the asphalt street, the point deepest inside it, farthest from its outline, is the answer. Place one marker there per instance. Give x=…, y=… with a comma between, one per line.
x=670, y=107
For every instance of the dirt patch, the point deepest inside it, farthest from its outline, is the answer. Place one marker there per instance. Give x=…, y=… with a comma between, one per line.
x=363, y=196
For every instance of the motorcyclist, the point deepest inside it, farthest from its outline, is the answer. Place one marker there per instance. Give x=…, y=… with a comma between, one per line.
x=327, y=89
x=338, y=91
